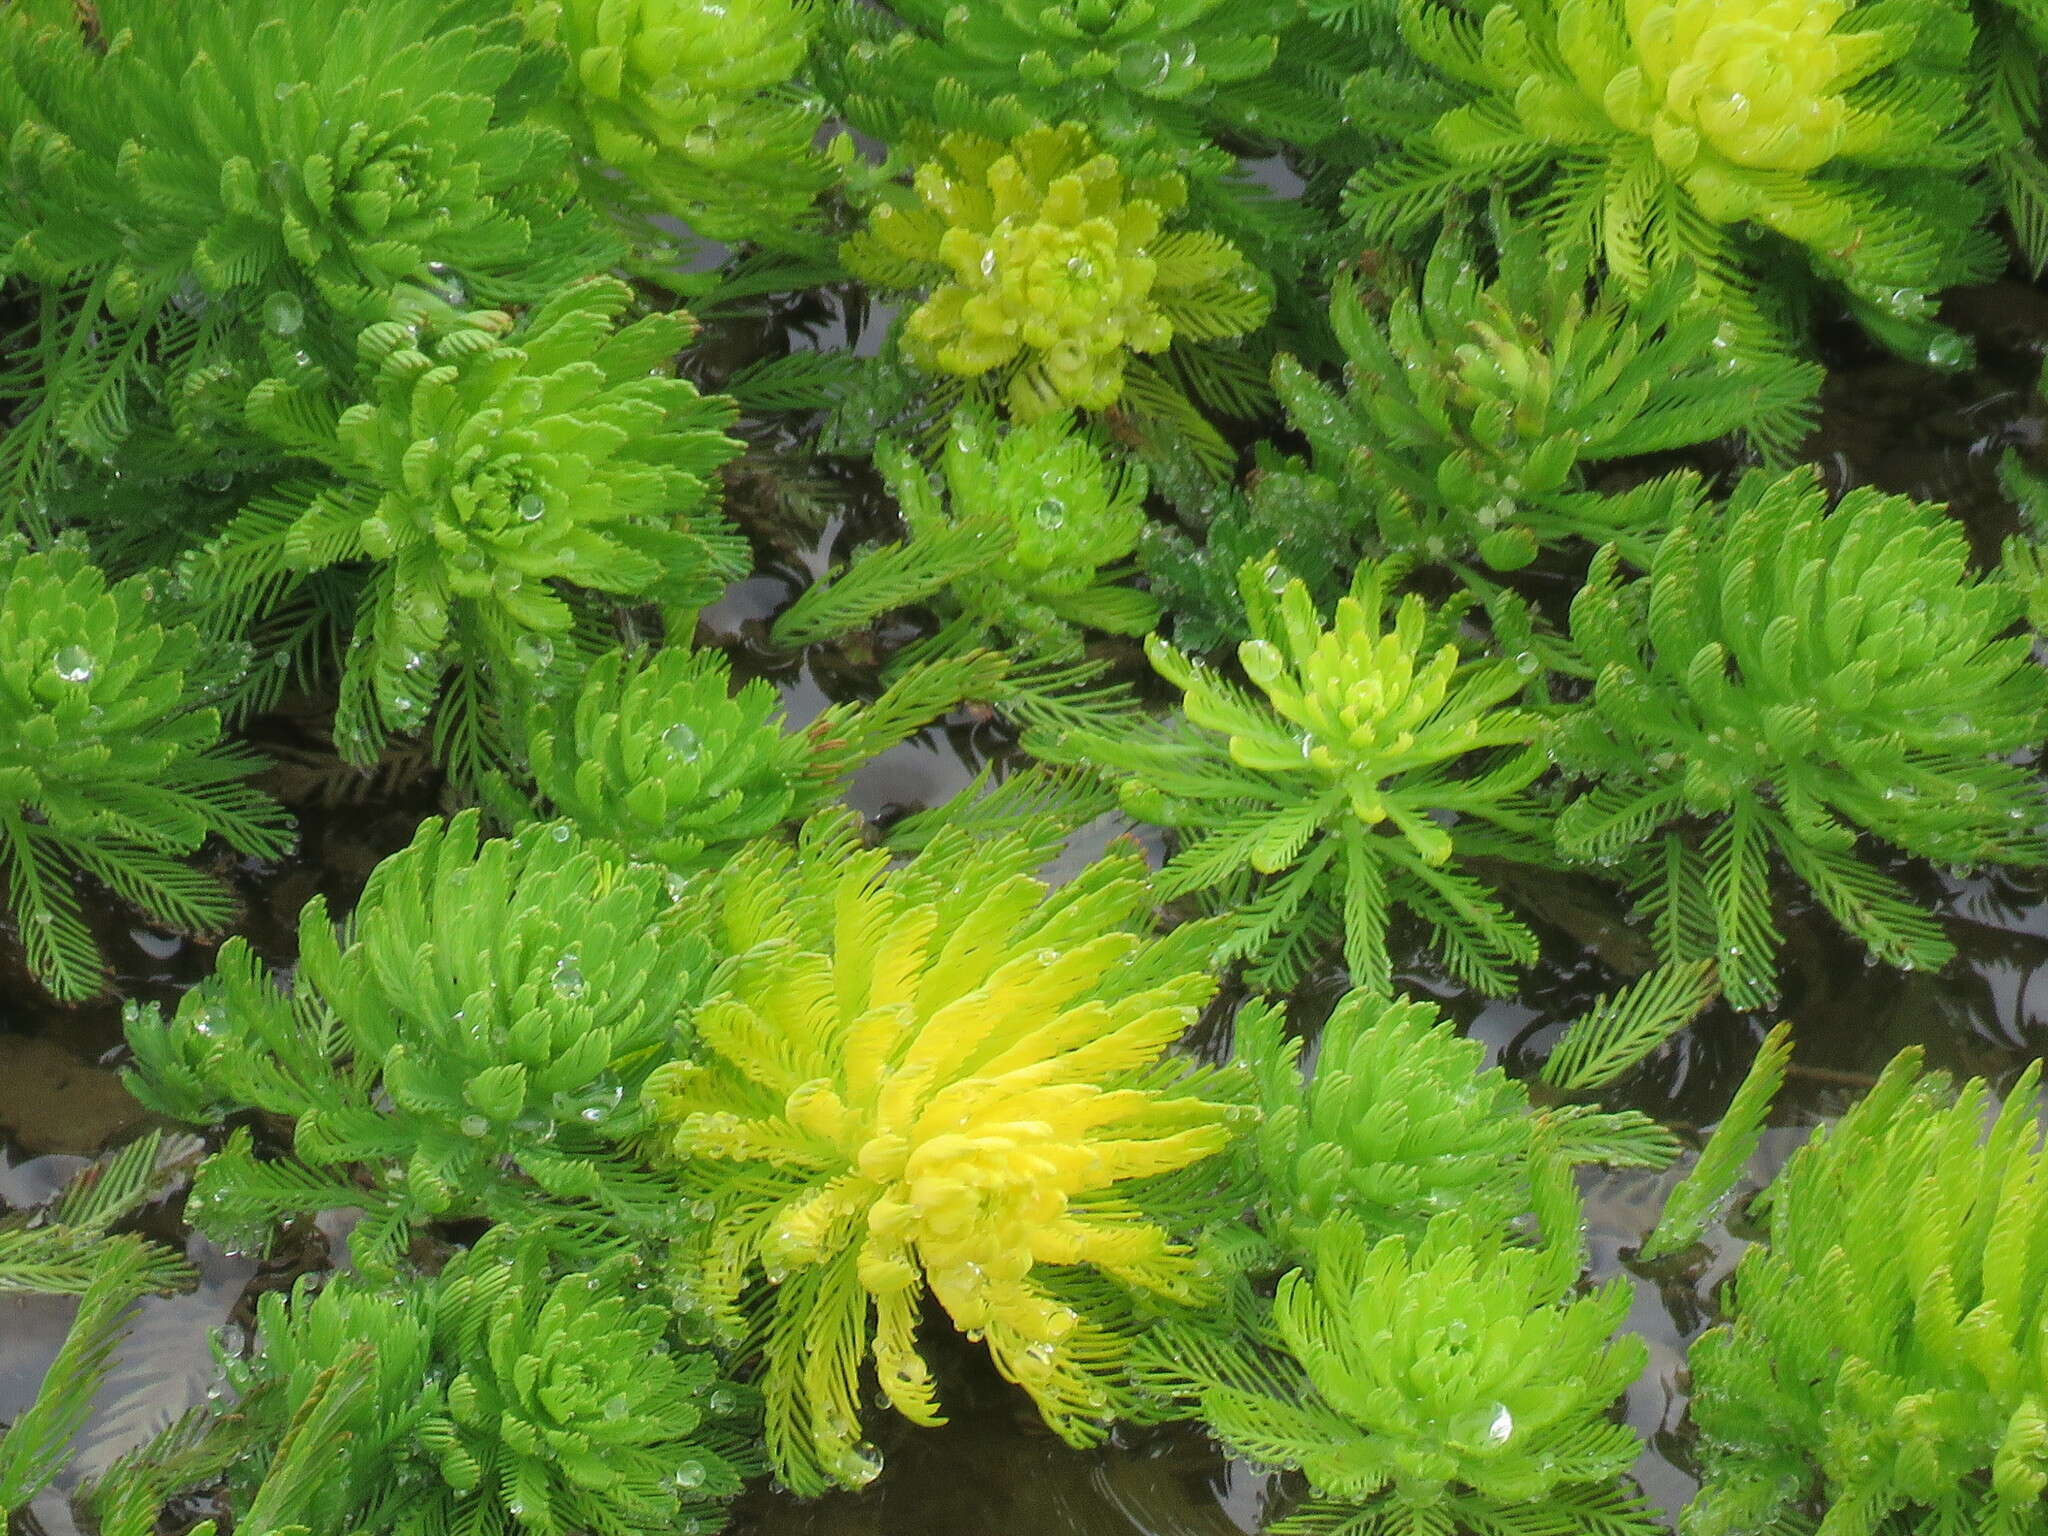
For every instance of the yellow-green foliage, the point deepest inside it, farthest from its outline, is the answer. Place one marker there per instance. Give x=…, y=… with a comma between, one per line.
x=942, y=1079
x=489, y=472
x=692, y=100
x=1315, y=805
x=1067, y=515
x=1047, y=267
x=1785, y=680
x=1448, y=1383
x=1026, y=546
x=188, y=184
x=1887, y=1351
x=111, y=763
x=1753, y=83
x=1661, y=125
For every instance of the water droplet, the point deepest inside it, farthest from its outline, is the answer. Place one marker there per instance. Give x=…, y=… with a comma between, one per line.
x=532, y=507
x=681, y=742
x=73, y=663
x=284, y=313
x=534, y=653
x=1502, y=1426
x=616, y=1406
x=475, y=1125
x=569, y=976
x=859, y=1465
x=690, y=1475
x=1142, y=67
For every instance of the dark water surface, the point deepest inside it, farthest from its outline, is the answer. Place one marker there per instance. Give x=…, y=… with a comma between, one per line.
x=994, y=1470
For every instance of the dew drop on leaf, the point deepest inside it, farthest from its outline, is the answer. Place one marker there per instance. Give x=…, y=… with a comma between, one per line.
x=284, y=313
x=1502, y=1426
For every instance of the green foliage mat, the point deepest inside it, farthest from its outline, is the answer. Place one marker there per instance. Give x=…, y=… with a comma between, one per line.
x=1350, y=475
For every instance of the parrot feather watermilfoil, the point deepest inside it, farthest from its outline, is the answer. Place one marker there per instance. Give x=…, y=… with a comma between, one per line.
x=1053, y=282
x=945, y=1081
x=1314, y=804
x=658, y=754
x=1474, y=408
x=508, y=1394
x=111, y=761
x=1025, y=546
x=1663, y=128
x=1785, y=681
x=473, y=1045
x=1392, y=1333
x=490, y=475
x=694, y=103
x=1882, y=1359
x=1157, y=75
x=198, y=189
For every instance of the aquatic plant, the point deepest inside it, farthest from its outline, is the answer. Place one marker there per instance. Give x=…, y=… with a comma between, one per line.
x=1785, y=680
x=942, y=1080
x=1471, y=406
x=1051, y=281
x=695, y=104
x=493, y=475
x=39, y=1443
x=1882, y=1356
x=2012, y=42
x=1707, y=1188
x=656, y=753
x=474, y=1046
x=1026, y=547
x=1310, y=809
x=1400, y=1122
x=1662, y=127
x=199, y=191
x=504, y=1394
x=1144, y=75
x=111, y=761
x=1421, y=1362
x=66, y=1251
x=1450, y=1381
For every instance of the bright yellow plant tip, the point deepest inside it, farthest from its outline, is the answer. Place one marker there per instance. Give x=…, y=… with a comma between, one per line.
x=1047, y=267
x=940, y=1080
x=1757, y=85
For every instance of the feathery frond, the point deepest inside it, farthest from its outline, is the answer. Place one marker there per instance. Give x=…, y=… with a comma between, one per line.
x=1314, y=804
x=1882, y=1356
x=111, y=763
x=1784, y=680
x=942, y=1080
x=1703, y=1193
x=474, y=1046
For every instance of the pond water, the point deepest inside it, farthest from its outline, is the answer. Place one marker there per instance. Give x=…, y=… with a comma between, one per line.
x=994, y=1469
